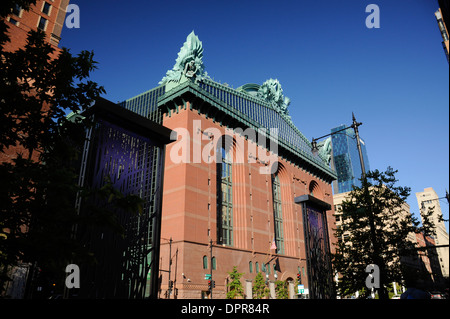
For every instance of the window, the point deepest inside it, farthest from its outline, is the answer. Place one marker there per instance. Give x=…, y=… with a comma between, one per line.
x=205, y=262
x=250, y=267
x=224, y=197
x=16, y=10
x=42, y=24
x=277, y=214
x=46, y=8
x=13, y=21
x=213, y=262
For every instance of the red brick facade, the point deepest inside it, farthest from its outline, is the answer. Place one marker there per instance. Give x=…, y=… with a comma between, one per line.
x=189, y=216
x=23, y=21
x=20, y=22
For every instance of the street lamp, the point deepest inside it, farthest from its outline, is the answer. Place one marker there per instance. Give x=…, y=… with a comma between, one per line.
x=374, y=241
x=354, y=126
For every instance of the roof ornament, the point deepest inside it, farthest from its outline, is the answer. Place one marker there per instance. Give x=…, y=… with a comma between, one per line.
x=189, y=63
x=272, y=92
x=325, y=150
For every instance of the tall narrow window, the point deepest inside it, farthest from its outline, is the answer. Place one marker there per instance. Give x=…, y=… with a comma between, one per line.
x=224, y=196
x=277, y=215
x=46, y=8
x=42, y=23
x=16, y=10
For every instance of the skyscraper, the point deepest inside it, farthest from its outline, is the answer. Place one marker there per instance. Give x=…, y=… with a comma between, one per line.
x=345, y=159
x=428, y=199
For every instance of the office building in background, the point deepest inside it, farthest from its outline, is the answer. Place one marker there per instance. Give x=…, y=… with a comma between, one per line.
x=345, y=159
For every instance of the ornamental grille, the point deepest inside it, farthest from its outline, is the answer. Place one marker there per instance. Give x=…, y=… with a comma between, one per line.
x=132, y=163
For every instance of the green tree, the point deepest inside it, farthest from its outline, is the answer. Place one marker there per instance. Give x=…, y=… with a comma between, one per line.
x=260, y=289
x=235, y=288
x=281, y=289
x=39, y=184
x=376, y=227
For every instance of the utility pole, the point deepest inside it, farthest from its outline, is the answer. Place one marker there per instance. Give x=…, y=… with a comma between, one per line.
x=358, y=145
x=373, y=235
x=211, y=265
x=376, y=250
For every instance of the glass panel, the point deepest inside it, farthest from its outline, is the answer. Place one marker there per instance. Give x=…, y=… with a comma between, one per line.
x=46, y=8
x=277, y=214
x=42, y=23
x=16, y=9
x=225, y=199
x=205, y=262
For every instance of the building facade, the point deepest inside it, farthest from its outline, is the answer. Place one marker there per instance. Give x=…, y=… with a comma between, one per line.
x=45, y=15
x=428, y=262
x=345, y=159
x=429, y=200
x=231, y=179
x=128, y=150
x=410, y=262
x=442, y=17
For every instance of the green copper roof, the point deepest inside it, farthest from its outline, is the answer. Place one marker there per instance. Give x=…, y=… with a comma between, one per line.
x=250, y=106
x=235, y=108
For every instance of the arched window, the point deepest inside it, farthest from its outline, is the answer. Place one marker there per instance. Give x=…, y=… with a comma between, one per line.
x=257, y=267
x=224, y=195
x=205, y=262
x=250, y=267
x=277, y=214
x=213, y=262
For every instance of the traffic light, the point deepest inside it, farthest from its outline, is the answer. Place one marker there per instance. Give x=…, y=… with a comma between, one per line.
x=299, y=278
x=209, y=284
x=214, y=284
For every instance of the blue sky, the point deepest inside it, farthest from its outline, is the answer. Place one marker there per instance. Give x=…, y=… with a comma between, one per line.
x=394, y=78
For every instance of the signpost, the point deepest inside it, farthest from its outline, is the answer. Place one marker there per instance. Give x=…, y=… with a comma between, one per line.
x=301, y=289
